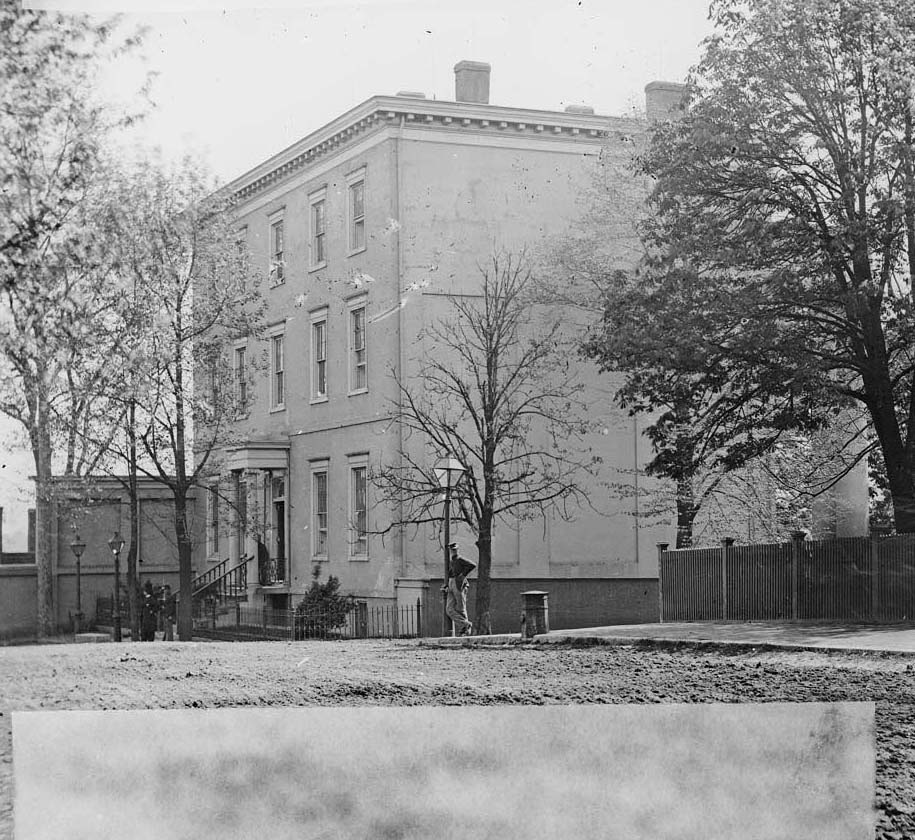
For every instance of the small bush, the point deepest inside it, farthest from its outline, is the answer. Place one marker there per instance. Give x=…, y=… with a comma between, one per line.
x=322, y=608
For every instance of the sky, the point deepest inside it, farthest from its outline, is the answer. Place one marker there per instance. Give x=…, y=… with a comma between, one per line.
x=237, y=85
x=234, y=84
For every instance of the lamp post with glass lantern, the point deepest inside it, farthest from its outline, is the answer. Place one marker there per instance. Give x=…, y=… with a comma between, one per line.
x=448, y=472
x=78, y=547
x=116, y=544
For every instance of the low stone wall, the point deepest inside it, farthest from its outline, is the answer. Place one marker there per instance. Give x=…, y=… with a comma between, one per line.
x=18, y=599
x=19, y=596
x=572, y=602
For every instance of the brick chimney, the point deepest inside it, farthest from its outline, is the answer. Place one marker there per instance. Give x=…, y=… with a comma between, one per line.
x=664, y=100
x=471, y=82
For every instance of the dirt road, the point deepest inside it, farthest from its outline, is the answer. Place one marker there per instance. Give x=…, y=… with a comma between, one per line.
x=210, y=675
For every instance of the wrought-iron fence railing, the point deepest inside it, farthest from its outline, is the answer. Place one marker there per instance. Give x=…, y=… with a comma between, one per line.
x=361, y=622
x=104, y=609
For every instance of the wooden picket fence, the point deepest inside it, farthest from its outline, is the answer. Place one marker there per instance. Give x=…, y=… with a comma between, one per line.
x=856, y=579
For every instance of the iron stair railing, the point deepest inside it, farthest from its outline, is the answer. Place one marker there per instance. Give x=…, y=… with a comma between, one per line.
x=220, y=582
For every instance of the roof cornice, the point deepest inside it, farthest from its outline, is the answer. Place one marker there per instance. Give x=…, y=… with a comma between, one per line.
x=381, y=111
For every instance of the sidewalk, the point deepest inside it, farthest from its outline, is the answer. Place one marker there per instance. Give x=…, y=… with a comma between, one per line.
x=886, y=638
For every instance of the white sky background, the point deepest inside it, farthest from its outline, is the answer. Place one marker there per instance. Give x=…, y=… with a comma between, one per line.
x=235, y=85
x=239, y=84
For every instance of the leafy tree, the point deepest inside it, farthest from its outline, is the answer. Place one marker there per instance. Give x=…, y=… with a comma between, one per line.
x=706, y=420
x=777, y=291
x=495, y=391
x=54, y=270
x=598, y=269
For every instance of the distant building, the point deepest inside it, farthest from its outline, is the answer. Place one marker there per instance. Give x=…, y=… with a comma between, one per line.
x=94, y=510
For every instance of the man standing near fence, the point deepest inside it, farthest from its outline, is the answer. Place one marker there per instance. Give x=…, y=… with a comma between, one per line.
x=456, y=587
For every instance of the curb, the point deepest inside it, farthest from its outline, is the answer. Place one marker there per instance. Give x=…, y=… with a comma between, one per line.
x=663, y=643
x=670, y=643
x=473, y=641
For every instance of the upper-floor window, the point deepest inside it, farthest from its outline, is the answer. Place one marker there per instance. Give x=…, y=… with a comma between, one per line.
x=319, y=355
x=358, y=358
x=318, y=228
x=356, y=211
x=277, y=372
x=241, y=251
x=215, y=383
x=277, y=263
x=241, y=377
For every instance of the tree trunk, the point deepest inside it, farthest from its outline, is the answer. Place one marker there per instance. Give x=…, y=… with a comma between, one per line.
x=132, y=582
x=180, y=488
x=483, y=616
x=902, y=490
x=185, y=570
x=133, y=497
x=47, y=623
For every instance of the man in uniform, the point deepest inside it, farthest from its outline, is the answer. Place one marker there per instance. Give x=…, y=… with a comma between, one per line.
x=456, y=605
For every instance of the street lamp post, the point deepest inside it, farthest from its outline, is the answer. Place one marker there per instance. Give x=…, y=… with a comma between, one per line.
x=448, y=472
x=78, y=547
x=116, y=543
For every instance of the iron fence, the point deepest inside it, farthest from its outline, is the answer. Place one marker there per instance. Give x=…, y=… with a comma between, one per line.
x=246, y=623
x=104, y=609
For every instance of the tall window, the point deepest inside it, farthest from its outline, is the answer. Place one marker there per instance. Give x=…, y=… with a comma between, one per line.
x=278, y=372
x=241, y=377
x=241, y=250
x=357, y=215
x=277, y=266
x=319, y=365
x=319, y=520
x=318, y=229
x=215, y=390
x=358, y=374
x=278, y=519
x=213, y=511
x=358, y=511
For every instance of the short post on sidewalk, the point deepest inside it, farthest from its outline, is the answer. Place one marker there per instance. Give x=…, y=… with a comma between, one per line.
x=662, y=548
x=535, y=617
x=797, y=552
x=726, y=544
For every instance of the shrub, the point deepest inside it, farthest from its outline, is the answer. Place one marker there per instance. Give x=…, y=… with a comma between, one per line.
x=322, y=608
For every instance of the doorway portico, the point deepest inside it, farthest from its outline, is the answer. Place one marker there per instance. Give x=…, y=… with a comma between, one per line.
x=260, y=471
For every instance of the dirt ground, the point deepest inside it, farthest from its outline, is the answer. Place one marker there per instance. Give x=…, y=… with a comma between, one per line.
x=211, y=675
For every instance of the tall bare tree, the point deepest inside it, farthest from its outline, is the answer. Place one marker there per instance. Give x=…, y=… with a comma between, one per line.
x=496, y=392
x=180, y=250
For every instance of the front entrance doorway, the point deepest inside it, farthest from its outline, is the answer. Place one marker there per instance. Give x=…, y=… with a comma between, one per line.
x=278, y=487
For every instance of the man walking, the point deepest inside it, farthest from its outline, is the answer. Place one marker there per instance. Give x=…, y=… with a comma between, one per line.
x=456, y=605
